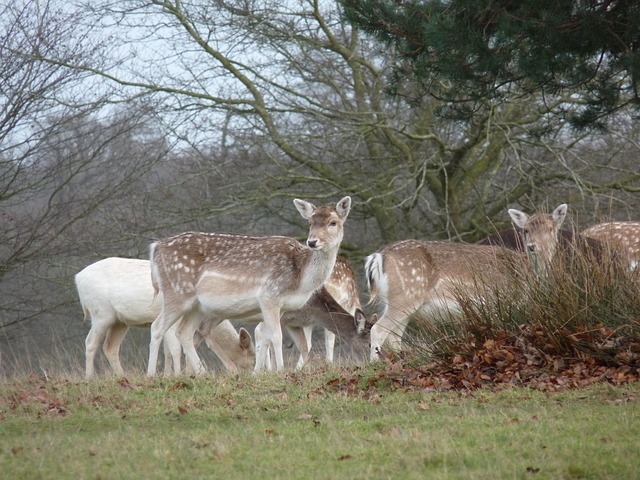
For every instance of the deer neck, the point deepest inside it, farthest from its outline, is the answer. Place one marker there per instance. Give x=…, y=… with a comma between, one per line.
x=329, y=314
x=318, y=268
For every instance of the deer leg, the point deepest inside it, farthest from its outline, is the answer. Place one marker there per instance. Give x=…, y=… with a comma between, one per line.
x=272, y=335
x=159, y=328
x=263, y=347
x=394, y=339
x=390, y=322
x=111, y=346
x=197, y=340
x=258, y=334
x=301, y=337
x=92, y=342
x=186, y=331
x=172, y=352
x=329, y=343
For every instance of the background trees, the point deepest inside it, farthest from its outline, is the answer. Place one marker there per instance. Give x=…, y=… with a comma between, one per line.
x=562, y=50
x=214, y=115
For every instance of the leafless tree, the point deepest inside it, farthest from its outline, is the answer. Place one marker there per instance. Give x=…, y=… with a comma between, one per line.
x=67, y=163
x=303, y=96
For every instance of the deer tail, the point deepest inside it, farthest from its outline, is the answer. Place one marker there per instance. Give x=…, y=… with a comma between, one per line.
x=155, y=259
x=376, y=278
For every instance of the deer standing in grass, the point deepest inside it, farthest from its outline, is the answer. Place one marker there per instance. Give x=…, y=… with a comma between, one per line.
x=242, y=277
x=116, y=293
x=622, y=238
x=423, y=277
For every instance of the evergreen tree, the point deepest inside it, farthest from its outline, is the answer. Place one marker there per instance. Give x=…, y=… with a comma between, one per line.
x=586, y=49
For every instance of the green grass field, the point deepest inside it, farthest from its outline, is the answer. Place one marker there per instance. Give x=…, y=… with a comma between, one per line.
x=296, y=425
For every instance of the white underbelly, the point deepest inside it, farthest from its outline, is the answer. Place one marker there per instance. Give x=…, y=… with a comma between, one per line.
x=439, y=308
x=226, y=296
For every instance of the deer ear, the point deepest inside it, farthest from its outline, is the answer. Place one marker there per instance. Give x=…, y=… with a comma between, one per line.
x=559, y=214
x=245, y=339
x=305, y=208
x=363, y=323
x=518, y=218
x=343, y=207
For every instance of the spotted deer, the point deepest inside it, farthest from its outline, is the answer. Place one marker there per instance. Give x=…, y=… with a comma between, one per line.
x=336, y=307
x=541, y=236
x=116, y=293
x=427, y=278
x=621, y=237
x=242, y=277
x=540, y=231
x=424, y=277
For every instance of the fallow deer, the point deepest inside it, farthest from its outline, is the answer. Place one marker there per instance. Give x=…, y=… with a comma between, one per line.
x=322, y=310
x=242, y=277
x=540, y=232
x=116, y=293
x=621, y=237
x=347, y=321
x=427, y=277
x=541, y=236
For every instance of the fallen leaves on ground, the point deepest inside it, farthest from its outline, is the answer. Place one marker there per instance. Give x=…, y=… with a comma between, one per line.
x=36, y=392
x=530, y=359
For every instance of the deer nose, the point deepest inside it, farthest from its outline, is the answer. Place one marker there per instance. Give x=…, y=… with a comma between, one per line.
x=312, y=243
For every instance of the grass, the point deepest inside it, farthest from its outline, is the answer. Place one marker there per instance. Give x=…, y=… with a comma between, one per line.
x=295, y=425
x=356, y=422
x=579, y=306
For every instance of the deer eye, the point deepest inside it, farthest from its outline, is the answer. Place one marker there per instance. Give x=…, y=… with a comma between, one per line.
x=333, y=223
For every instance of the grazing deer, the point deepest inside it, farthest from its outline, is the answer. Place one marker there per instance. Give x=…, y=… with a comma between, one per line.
x=322, y=310
x=242, y=277
x=423, y=277
x=341, y=314
x=116, y=293
x=418, y=276
x=622, y=238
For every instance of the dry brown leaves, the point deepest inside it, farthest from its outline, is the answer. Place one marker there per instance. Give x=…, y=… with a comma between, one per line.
x=530, y=359
x=39, y=394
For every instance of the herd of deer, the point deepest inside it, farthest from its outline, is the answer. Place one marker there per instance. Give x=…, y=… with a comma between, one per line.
x=195, y=284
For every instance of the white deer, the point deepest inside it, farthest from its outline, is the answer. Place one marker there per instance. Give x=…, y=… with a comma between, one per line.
x=623, y=238
x=116, y=293
x=241, y=277
x=341, y=315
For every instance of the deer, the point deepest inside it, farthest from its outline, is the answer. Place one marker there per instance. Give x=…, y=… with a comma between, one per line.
x=242, y=277
x=541, y=236
x=336, y=307
x=324, y=311
x=428, y=277
x=520, y=236
x=623, y=238
x=412, y=277
x=116, y=293
x=540, y=231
